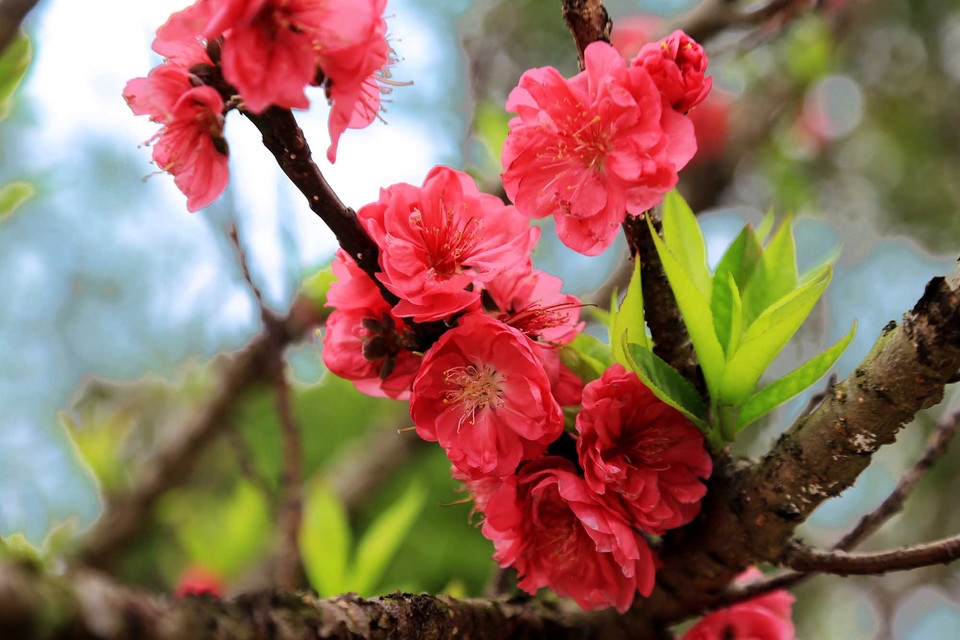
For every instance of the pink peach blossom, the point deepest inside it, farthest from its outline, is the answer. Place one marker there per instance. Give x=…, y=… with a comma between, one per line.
x=591, y=149
x=677, y=65
x=547, y=524
x=766, y=617
x=483, y=394
x=439, y=242
x=634, y=445
x=190, y=146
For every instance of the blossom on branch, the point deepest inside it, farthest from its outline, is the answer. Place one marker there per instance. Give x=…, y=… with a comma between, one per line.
x=483, y=394
x=190, y=146
x=440, y=242
x=677, y=65
x=766, y=617
x=590, y=149
x=634, y=445
x=363, y=342
x=547, y=524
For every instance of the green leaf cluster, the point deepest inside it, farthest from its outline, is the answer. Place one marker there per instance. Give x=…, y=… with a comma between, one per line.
x=14, y=61
x=327, y=546
x=739, y=319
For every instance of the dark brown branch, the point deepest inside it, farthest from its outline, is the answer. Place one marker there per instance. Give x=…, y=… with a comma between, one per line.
x=807, y=559
x=588, y=22
x=12, y=15
x=670, y=338
x=171, y=463
x=90, y=606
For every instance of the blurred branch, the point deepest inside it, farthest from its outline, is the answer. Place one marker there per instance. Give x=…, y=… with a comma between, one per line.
x=289, y=570
x=807, y=559
x=170, y=464
x=711, y=17
x=588, y=22
x=12, y=14
x=289, y=565
x=670, y=339
x=356, y=477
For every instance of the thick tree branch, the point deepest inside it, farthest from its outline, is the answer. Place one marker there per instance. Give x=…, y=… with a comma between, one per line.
x=751, y=511
x=90, y=606
x=588, y=22
x=807, y=559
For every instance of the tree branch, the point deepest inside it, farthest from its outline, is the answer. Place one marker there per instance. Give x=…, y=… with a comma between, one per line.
x=12, y=15
x=170, y=464
x=711, y=17
x=289, y=563
x=671, y=342
x=803, y=558
x=588, y=22
x=751, y=511
x=89, y=605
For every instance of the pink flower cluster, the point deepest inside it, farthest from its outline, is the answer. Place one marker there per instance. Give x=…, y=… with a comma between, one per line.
x=590, y=149
x=568, y=510
x=766, y=617
x=270, y=51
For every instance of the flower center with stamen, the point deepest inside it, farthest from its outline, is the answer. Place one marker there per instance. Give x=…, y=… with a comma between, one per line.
x=474, y=388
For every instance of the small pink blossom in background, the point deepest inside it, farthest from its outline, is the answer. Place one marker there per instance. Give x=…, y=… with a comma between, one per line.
x=766, y=617
x=677, y=65
x=547, y=524
x=630, y=33
x=362, y=342
x=441, y=241
x=197, y=580
x=483, y=394
x=634, y=445
x=593, y=148
x=190, y=146
x=711, y=126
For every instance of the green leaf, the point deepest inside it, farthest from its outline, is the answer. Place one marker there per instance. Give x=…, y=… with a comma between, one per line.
x=780, y=262
x=667, y=384
x=766, y=226
x=629, y=317
x=383, y=538
x=727, y=310
x=740, y=259
x=13, y=65
x=682, y=234
x=695, y=309
x=325, y=541
x=587, y=356
x=316, y=287
x=779, y=391
x=13, y=195
x=766, y=337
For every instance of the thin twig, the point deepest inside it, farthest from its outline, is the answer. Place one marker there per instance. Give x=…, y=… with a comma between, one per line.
x=247, y=467
x=711, y=17
x=289, y=564
x=245, y=267
x=807, y=559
